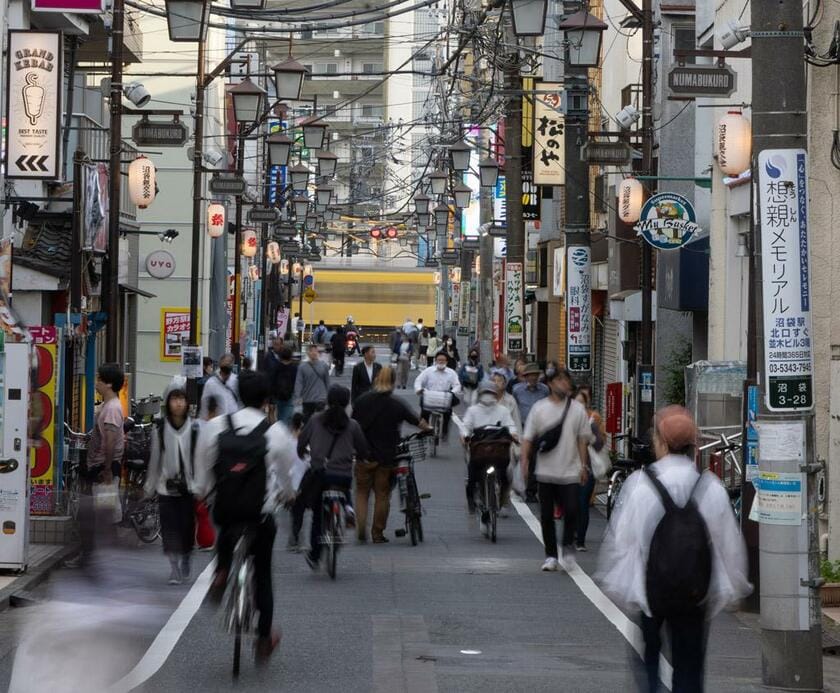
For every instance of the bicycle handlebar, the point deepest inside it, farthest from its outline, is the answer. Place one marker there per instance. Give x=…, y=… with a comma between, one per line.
x=75, y=434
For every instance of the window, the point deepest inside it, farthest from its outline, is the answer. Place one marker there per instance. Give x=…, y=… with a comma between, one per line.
x=372, y=68
x=308, y=69
x=371, y=111
x=684, y=40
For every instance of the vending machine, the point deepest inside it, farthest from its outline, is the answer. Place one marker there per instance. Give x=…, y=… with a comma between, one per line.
x=14, y=460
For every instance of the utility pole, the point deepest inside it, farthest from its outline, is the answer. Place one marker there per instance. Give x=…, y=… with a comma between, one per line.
x=198, y=189
x=644, y=411
x=515, y=239
x=788, y=550
x=237, y=252
x=111, y=278
x=484, y=285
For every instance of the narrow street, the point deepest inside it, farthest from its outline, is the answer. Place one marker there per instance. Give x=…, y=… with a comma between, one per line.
x=455, y=613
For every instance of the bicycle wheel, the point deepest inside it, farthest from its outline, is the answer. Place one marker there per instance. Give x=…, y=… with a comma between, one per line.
x=492, y=504
x=332, y=545
x=146, y=522
x=612, y=493
x=237, y=647
x=72, y=492
x=414, y=512
x=436, y=436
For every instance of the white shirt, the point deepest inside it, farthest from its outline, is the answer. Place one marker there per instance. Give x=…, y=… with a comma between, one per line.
x=409, y=327
x=280, y=458
x=369, y=369
x=441, y=381
x=226, y=394
x=623, y=562
x=168, y=465
x=562, y=464
x=480, y=415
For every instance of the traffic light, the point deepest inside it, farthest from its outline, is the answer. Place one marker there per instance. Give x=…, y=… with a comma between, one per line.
x=391, y=232
x=376, y=233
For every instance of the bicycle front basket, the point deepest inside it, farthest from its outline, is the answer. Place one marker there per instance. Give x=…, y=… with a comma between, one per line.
x=417, y=449
x=437, y=401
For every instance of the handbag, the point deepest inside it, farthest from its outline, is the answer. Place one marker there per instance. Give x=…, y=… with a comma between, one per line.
x=548, y=440
x=205, y=534
x=599, y=462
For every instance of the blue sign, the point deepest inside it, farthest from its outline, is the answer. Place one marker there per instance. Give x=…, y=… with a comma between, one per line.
x=667, y=221
x=308, y=280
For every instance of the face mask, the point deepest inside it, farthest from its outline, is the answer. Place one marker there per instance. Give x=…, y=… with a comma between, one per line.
x=440, y=366
x=549, y=373
x=487, y=398
x=473, y=357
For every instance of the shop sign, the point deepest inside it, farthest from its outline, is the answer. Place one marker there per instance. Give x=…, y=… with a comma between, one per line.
x=786, y=278
x=667, y=221
x=514, y=307
x=579, y=308
x=33, y=104
x=549, y=138
x=160, y=264
x=174, y=332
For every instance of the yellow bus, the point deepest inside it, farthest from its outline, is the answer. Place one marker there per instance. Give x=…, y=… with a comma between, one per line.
x=378, y=300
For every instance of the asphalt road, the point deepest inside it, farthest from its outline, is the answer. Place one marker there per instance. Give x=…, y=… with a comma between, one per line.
x=455, y=613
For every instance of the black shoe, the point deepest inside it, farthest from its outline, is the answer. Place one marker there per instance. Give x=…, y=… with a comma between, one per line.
x=311, y=562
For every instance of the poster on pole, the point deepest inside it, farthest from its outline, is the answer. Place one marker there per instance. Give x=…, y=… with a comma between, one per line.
x=191, y=362
x=782, y=196
x=514, y=307
x=33, y=104
x=174, y=332
x=549, y=140
x=579, y=308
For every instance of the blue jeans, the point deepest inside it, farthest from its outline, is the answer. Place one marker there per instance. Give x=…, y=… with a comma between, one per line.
x=285, y=410
x=583, y=508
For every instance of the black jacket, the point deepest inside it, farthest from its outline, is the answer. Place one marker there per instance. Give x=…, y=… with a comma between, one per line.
x=360, y=382
x=380, y=415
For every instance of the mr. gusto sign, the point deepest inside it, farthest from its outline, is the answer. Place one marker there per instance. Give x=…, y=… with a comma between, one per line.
x=160, y=264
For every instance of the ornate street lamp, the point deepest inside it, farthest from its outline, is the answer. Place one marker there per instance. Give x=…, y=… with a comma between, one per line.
x=314, y=134
x=460, y=153
x=279, y=147
x=310, y=223
x=323, y=195
x=288, y=79
x=424, y=220
x=247, y=100
x=583, y=33
x=299, y=175
x=301, y=206
x=528, y=17
x=247, y=4
x=187, y=19
x=327, y=162
x=421, y=203
x=462, y=194
x=488, y=172
x=438, y=180
x=441, y=215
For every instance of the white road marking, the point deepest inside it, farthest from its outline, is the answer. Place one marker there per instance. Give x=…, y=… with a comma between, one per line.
x=631, y=632
x=170, y=634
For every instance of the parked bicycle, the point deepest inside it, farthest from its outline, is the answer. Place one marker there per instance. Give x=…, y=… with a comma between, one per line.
x=240, y=605
x=140, y=513
x=70, y=479
x=410, y=450
x=640, y=455
x=725, y=461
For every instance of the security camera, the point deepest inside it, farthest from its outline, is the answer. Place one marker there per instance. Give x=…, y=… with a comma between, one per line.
x=213, y=156
x=733, y=34
x=137, y=94
x=627, y=116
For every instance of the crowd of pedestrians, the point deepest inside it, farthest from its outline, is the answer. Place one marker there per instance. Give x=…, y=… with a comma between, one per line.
x=285, y=433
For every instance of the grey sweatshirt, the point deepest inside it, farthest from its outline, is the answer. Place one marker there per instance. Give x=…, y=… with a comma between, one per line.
x=312, y=382
x=346, y=444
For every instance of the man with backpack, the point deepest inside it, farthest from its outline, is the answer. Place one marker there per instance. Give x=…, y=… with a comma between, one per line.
x=282, y=373
x=319, y=334
x=673, y=552
x=246, y=465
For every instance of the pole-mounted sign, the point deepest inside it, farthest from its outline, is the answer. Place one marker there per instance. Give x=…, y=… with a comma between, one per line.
x=33, y=104
x=701, y=81
x=266, y=215
x=667, y=221
x=579, y=308
x=606, y=153
x=227, y=184
x=168, y=133
x=786, y=278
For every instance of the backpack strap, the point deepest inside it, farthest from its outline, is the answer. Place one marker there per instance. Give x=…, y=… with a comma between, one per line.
x=667, y=501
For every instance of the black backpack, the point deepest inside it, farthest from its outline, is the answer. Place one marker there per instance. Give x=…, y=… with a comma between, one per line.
x=679, y=567
x=240, y=475
x=284, y=380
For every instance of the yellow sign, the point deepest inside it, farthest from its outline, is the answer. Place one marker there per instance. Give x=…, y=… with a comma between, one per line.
x=309, y=295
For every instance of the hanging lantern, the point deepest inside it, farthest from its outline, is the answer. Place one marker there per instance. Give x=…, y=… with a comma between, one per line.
x=284, y=266
x=488, y=170
x=215, y=219
x=272, y=252
x=253, y=273
x=631, y=196
x=249, y=243
x=141, y=181
x=734, y=143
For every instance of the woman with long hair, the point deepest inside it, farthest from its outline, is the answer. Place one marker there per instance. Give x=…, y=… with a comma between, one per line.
x=171, y=475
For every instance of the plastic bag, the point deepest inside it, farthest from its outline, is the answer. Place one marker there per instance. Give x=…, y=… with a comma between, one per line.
x=599, y=460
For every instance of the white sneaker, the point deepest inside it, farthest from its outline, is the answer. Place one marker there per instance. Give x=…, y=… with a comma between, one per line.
x=550, y=565
x=485, y=530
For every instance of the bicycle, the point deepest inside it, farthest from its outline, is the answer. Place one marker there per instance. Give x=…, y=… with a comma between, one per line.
x=640, y=455
x=437, y=404
x=491, y=446
x=332, y=532
x=726, y=464
x=70, y=480
x=410, y=450
x=140, y=513
x=240, y=605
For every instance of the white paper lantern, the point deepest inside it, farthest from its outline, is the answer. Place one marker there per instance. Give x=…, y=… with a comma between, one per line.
x=631, y=196
x=141, y=181
x=249, y=243
x=734, y=143
x=272, y=252
x=253, y=273
x=215, y=219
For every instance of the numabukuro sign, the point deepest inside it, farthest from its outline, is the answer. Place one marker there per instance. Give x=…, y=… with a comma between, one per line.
x=151, y=133
x=33, y=104
x=693, y=81
x=667, y=221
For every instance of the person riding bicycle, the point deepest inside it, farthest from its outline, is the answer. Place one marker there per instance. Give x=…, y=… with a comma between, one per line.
x=488, y=425
x=332, y=440
x=439, y=379
x=246, y=464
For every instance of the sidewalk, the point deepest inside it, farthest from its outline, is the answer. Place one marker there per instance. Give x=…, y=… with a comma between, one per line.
x=43, y=559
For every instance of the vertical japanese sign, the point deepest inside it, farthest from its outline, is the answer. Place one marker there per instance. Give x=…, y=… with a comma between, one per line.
x=530, y=190
x=783, y=199
x=549, y=141
x=514, y=307
x=42, y=457
x=33, y=104
x=615, y=402
x=174, y=332
x=464, y=309
x=579, y=309
x=454, y=299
